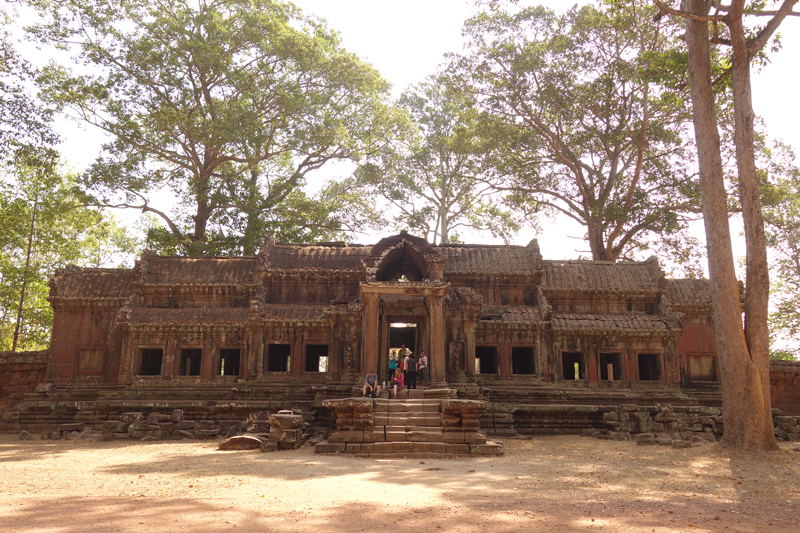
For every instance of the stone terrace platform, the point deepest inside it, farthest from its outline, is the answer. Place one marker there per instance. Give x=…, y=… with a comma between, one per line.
x=417, y=427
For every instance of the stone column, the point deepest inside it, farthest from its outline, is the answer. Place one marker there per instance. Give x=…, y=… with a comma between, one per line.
x=371, y=311
x=436, y=360
x=469, y=348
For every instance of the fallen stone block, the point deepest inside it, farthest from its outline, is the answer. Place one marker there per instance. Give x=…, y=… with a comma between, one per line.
x=183, y=425
x=177, y=415
x=115, y=426
x=180, y=434
x=213, y=432
x=240, y=442
x=645, y=439
x=130, y=418
x=24, y=435
x=259, y=427
x=55, y=435
x=205, y=424
x=681, y=444
x=72, y=427
x=157, y=418
x=121, y=436
x=286, y=421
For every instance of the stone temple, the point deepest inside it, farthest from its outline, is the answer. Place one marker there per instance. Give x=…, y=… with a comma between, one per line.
x=296, y=325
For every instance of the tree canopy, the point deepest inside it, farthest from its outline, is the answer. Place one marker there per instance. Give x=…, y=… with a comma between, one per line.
x=435, y=183
x=584, y=114
x=227, y=105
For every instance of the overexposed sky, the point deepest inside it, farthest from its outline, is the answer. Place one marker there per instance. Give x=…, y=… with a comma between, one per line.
x=406, y=41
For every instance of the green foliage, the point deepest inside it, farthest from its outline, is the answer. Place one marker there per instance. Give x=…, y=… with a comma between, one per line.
x=45, y=227
x=227, y=105
x=780, y=194
x=24, y=121
x=435, y=184
x=585, y=114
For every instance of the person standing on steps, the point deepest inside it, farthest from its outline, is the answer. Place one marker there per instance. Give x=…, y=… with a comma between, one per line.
x=411, y=371
x=422, y=370
x=393, y=360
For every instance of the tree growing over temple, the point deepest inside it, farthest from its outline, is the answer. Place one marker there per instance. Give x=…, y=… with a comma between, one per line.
x=583, y=114
x=227, y=105
x=743, y=354
x=435, y=184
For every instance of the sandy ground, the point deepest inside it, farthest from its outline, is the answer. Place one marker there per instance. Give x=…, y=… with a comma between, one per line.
x=545, y=484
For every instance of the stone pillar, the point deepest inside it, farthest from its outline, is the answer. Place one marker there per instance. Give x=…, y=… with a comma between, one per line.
x=469, y=348
x=437, y=352
x=370, y=302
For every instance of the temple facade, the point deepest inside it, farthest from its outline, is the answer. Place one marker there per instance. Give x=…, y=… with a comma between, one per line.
x=305, y=322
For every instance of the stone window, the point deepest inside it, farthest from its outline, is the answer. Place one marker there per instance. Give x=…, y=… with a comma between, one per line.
x=229, y=361
x=702, y=367
x=486, y=360
x=190, y=361
x=610, y=366
x=522, y=360
x=278, y=357
x=316, y=357
x=151, y=362
x=90, y=361
x=572, y=366
x=649, y=366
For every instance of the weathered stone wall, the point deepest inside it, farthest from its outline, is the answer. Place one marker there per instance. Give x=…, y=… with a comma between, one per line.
x=20, y=372
x=784, y=379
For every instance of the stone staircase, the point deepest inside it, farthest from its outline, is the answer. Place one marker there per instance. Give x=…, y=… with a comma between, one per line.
x=417, y=427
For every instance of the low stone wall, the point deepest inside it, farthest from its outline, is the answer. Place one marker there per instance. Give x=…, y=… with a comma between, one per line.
x=784, y=380
x=20, y=373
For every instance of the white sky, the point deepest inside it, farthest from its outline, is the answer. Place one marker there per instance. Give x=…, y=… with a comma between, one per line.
x=406, y=41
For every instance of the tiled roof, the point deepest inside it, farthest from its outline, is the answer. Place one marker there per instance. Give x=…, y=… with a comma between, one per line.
x=168, y=270
x=689, y=292
x=512, y=314
x=609, y=323
x=597, y=275
x=304, y=257
x=94, y=283
x=190, y=315
x=488, y=259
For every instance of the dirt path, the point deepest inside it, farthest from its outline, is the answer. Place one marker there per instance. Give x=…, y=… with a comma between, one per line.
x=546, y=484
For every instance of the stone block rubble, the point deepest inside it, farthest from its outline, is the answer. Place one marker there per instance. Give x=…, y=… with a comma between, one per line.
x=678, y=426
x=262, y=430
x=422, y=426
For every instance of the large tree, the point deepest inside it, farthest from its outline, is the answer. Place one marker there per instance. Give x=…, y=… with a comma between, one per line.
x=584, y=115
x=743, y=354
x=45, y=227
x=435, y=184
x=227, y=104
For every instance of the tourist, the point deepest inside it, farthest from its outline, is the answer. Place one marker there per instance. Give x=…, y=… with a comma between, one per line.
x=422, y=370
x=371, y=386
x=397, y=383
x=392, y=365
x=411, y=371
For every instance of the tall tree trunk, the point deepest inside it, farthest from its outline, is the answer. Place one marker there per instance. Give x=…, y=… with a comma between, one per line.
x=24, y=287
x=745, y=398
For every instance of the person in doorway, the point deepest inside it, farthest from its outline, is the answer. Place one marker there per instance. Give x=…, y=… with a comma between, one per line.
x=371, y=386
x=401, y=356
x=397, y=383
x=393, y=360
x=411, y=371
x=422, y=370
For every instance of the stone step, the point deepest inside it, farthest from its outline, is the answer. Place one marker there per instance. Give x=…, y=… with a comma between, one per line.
x=408, y=448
